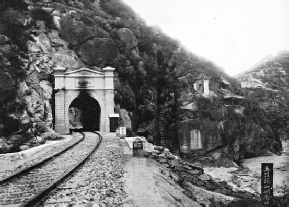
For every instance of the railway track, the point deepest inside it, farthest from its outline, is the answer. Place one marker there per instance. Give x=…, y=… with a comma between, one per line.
x=31, y=186
x=54, y=151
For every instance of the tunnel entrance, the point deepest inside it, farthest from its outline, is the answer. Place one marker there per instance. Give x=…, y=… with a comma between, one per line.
x=85, y=95
x=84, y=113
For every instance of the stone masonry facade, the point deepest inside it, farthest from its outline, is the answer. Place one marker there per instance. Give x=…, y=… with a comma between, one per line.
x=68, y=85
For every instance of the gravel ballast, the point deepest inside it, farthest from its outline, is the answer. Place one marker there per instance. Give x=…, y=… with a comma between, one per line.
x=98, y=182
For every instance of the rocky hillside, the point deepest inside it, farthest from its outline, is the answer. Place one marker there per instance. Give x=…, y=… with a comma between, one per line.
x=162, y=91
x=268, y=83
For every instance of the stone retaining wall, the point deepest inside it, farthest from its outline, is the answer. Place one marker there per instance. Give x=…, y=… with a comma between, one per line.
x=188, y=175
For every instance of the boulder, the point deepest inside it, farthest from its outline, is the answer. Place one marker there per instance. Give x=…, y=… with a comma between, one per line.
x=46, y=88
x=216, y=155
x=156, y=152
x=24, y=121
x=3, y=39
x=170, y=157
x=106, y=26
x=92, y=5
x=17, y=18
x=35, y=106
x=141, y=68
x=166, y=150
x=76, y=32
x=23, y=147
x=55, y=40
x=160, y=148
x=135, y=54
x=98, y=51
x=40, y=24
x=42, y=127
x=51, y=136
x=187, y=167
x=5, y=48
x=163, y=161
x=174, y=163
x=132, y=24
x=40, y=140
x=13, y=141
x=150, y=139
x=33, y=47
x=127, y=38
x=200, y=183
x=204, y=177
x=17, y=121
x=56, y=22
x=6, y=148
x=43, y=42
x=66, y=58
x=48, y=117
x=162, y=155
x=79, y=5
x=23, y=89
x=226, y=162
x=141, y=132
x=194, y=172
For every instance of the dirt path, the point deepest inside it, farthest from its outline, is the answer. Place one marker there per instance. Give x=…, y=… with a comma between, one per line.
x=147, y=186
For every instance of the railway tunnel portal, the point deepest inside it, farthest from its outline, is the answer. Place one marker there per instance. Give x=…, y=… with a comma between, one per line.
x=84, y=99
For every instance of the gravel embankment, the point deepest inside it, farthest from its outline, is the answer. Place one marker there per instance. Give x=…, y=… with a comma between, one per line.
x=8, y=167
x=25, y=186
x=98, y=182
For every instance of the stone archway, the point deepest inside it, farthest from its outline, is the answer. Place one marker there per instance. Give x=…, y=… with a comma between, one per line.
x=84, y=113
x=71, y=85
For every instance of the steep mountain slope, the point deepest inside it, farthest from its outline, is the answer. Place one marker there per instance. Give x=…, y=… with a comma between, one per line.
x=162, y=91
x=268, y=84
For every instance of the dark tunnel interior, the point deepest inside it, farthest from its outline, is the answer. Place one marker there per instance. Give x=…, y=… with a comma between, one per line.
x=84, y=113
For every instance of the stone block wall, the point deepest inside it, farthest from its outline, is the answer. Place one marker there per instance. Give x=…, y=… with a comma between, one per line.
x=190, y=176
x=209, y=135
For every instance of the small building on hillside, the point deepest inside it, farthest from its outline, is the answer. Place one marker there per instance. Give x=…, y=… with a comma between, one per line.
x=202, y=85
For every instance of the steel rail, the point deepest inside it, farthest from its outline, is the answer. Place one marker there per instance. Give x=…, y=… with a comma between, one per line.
x=28, y=168
x=43, y=194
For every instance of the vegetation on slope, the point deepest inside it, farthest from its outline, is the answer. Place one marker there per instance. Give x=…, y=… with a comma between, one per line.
x=154, y=76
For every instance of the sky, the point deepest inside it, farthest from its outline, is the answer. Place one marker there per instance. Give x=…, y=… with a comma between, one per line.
x=234, y=34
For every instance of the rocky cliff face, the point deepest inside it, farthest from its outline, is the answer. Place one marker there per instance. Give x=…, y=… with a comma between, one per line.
x=267, y=84
x=158, y=84
x=30, y=47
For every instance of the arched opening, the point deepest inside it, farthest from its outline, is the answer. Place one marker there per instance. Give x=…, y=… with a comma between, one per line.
x=84, y=113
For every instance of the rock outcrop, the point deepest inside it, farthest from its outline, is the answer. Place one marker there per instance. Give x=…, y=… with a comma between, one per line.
x=159, y=85
x=267, y=84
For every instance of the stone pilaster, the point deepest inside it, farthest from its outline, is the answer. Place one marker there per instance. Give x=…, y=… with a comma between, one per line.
x=108, y=95
x=59, y=112
x=59, y=100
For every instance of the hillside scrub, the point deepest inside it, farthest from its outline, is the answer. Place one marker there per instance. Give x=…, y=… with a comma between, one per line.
x=267, y=84
x=154, y=76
